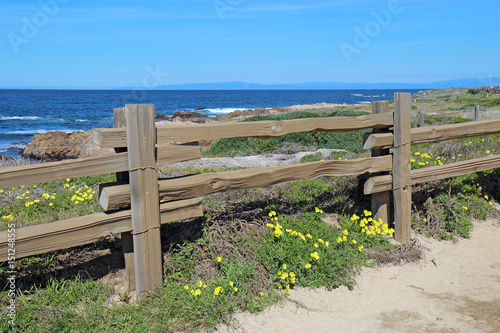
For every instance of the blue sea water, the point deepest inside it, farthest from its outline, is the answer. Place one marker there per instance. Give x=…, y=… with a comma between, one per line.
x=27, y=112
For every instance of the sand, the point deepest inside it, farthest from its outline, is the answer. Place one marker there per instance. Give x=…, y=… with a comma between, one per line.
x=455, y=289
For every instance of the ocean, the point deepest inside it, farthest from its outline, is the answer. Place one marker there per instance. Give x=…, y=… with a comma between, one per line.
x=24, y=113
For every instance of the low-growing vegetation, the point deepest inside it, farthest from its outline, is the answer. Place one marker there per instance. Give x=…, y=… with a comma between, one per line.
x=350, y=141
x=252, y=247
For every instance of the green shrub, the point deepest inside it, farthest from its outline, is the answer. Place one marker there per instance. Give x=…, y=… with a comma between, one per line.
x=351, y=141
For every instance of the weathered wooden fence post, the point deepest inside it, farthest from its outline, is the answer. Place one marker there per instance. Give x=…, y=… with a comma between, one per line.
x=476, y=113
x=401, y=179
x=119, y=120
x=141, y=141
x=381, y=200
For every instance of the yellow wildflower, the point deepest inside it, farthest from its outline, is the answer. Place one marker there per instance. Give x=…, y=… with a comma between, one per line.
x=186, y=287
x=219, y=259
x=315, y=255
x=218, y=290
x=199, y=284
x=308, y=266
x=360, y=248
x=231, y=283
x=354, y=241
x=345, y=232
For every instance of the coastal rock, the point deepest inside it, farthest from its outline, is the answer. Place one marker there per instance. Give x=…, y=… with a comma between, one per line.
x=241, y=113
x=56, y=146
x=5, y=158
x=189, y=115
x=489, y=89
x=182, y=116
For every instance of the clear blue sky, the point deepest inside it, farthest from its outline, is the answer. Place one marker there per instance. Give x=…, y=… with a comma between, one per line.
x=108, y=44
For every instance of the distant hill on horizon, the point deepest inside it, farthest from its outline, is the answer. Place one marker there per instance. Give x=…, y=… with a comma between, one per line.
x=238, y=85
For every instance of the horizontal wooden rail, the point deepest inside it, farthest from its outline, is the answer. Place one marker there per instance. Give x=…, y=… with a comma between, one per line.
x=202, y=184
x=90, y=166
x=117, y=137
x=384, y=183
x=83, y=230
x=168, y=154
x=436, y=133
x=37, y=173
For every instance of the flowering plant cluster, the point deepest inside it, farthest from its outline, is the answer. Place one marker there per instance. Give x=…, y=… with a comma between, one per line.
x=201, y=288
x=312, y=250
x=41, y=201
x=371, y=226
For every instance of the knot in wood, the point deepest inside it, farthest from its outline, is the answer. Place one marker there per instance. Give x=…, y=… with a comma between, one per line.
x=276, y=128
x=214, y=183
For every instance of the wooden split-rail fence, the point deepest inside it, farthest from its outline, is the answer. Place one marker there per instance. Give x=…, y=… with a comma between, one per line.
x=139, y=203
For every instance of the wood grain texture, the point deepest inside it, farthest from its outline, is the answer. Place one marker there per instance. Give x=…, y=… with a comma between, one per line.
x=141, y=141
x=401, y=167
x=208, y=183
x=90, y=166
x=380, y=202
x=37, y=173
x=418, y=176
x=168, y=154
x=436, y=133
x=110, y=138
x=87, y=229
x=120, y=121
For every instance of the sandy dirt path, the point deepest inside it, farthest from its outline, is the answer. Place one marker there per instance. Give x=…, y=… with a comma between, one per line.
x=456, y=289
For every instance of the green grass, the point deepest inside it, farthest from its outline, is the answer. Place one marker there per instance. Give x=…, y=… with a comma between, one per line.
x=444, y=209
x=51, y=201
x=445, y=120
x=469, y=100
x=193, y=301
x=258, y=253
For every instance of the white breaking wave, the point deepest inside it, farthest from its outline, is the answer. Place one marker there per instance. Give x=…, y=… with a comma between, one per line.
x=38, y=131
x=361, y=95
x=19, y=118
x=223, y=110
